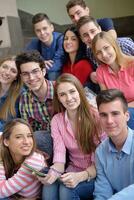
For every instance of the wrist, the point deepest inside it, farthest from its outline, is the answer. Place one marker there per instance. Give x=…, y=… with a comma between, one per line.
x=89, y=177
x=55, y=172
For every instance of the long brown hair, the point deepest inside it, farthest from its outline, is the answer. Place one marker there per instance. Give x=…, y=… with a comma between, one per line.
x=87, y=127
x=8, y=107
x=5, y=155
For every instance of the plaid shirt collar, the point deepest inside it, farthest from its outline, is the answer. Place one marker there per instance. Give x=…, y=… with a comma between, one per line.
x=49, y=95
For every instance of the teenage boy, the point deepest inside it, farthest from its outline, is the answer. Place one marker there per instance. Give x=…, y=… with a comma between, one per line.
x=36, y=102
x=88, y=28
x=115, y=155
x=78, y=8
x=49, y=44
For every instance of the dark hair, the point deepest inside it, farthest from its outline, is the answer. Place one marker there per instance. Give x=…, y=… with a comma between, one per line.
x=86, y=19
x=81, y=53
x=5, y=154
x=40, y=17
x=73, y=3
x=29, y=56
x=106, y=96
x=88, y=127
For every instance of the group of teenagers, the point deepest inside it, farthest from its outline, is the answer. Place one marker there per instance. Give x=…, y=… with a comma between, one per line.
x=47, y=122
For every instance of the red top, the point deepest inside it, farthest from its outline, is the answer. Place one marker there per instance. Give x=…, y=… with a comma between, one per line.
x=82, y=70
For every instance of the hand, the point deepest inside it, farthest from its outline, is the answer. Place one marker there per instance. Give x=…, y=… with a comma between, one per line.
x=71, y=179
x=48, y=64
x=49, y=179
x=93, y=77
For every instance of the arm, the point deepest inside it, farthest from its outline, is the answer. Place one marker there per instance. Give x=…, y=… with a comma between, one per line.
x=103, y=189
x=22, y=108
x=127, y=45
x=58, y=58
x=22, y=179
x=126, y=193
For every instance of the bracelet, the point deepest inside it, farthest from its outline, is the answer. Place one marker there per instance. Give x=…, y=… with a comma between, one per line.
x=89, y=176
x=56, y=171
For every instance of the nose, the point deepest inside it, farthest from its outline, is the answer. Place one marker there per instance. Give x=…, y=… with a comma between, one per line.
x=103, y=53
x=76, y=18
x=25, y=140
x=31, y=76
x=69, y=97
x=109, y=119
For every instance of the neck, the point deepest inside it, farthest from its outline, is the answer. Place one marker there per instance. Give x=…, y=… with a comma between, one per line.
x=4, y=89
x=72, y=57
x=49, y=42
x=115, y=67
x=41, y=93
x=120, y=140
x=72, y=115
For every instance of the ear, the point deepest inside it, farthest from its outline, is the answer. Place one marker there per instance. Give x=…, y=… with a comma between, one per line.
x=44, y=71
x=6, y=143
x=127, y=116
x=99, y=28
x=52, y=27
x=87, y=10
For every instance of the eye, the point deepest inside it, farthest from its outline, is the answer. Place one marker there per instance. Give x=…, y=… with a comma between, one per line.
x=4, y=66
x=106, y=47
x=103, y=115
x=13, y=71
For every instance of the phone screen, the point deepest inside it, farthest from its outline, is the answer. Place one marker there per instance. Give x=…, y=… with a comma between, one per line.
x=38, y=173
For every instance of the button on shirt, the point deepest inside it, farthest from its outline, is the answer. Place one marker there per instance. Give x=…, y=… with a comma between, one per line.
x=115, y=170
x=37, y=113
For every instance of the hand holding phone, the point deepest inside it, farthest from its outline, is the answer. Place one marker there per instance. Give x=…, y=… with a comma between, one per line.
x=38, y=173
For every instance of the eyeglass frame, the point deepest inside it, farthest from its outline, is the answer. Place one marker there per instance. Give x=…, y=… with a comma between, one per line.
x=34, y=72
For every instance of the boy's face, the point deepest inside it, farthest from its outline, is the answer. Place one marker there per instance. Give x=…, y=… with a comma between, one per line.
x=43, y=31
x=77, y=12
x=113, y=119
x=88, y=31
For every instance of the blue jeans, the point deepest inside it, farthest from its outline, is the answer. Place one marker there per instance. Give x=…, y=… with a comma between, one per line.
x=58, y=191
x=4, y=198
x=44, y=143
x=131, y=120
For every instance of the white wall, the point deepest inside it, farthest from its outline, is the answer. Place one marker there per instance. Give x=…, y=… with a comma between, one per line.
x=7, y=8
x=57, y=12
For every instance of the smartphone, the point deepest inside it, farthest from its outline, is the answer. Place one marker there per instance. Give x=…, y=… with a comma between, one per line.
x=38, y=173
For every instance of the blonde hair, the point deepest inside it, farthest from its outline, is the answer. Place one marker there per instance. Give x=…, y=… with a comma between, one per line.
x=8, y=107
x=87, y=127
x=108, y=37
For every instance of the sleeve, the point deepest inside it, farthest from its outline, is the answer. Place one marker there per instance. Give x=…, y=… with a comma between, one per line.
x=22, y=107
x=83, y=71
x=106, y=24
x=126, y=193
x=22, y=179
x=126, y=45
x=59, y=55
x=103, y=189
x=100, y=75
x=59, y=149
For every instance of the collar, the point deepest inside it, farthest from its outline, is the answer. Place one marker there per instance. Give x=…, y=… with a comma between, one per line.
x=49, y=95
x=127, y=145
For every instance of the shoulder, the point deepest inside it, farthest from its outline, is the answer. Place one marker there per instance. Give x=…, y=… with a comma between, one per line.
x=102, y=67
x=103, y=147
x=58, y=117
x=35, y=160
x=33, y=44
x=106, y=23
x=58, y=35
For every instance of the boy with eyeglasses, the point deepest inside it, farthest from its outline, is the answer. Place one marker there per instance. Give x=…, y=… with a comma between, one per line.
x=36, y=102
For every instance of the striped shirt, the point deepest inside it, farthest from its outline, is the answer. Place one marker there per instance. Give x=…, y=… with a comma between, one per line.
x=23, y=182
x=64, y=138
x=37, y=113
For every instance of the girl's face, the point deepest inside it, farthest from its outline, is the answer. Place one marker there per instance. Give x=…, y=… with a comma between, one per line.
x=71, y=42
x=68, y=95
x=105, y=52
x=20, y=142
x=8, y=72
